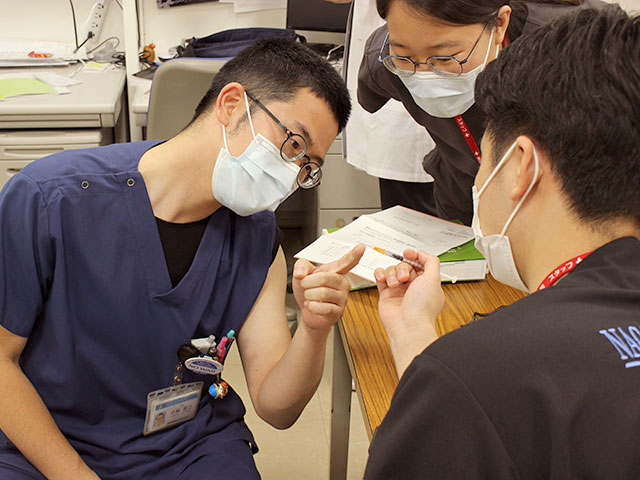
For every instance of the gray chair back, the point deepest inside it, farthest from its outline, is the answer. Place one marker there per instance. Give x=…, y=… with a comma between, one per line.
x=177, y=88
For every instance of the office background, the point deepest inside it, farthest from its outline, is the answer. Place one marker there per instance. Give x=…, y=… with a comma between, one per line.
x=303, y=451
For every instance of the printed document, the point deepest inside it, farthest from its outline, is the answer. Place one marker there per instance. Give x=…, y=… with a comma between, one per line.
x=394, y=229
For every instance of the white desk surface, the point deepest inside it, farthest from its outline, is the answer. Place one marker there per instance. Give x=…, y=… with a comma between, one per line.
x=96, y=102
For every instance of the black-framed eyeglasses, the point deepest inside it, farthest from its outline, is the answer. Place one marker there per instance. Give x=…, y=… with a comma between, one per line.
x=443, y=65
x=293, y=148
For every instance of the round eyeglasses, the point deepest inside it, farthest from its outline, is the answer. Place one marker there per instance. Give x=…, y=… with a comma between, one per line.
x=294, y=148
x=442, y=65
x=310, y=175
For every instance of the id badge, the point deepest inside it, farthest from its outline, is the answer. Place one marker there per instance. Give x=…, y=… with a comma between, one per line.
x=171, y=406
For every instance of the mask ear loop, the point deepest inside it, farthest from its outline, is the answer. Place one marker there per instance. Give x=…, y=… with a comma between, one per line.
x=253, y=132
x=526, y=193
x=246, y=103
x=224, y=137
x=486, y=57
x=498, y=167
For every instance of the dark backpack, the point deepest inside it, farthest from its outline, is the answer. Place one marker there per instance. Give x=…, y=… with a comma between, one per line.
x=229, y=43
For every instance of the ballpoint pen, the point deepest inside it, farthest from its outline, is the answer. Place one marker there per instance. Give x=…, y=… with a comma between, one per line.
x=413, y=263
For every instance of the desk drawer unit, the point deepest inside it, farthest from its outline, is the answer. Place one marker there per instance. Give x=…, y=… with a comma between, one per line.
x=345, y=192
x=18, y=148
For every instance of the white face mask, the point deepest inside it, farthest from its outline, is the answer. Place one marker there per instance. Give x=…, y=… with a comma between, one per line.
x=497, y=248
x=445, y=97
x=259, y=179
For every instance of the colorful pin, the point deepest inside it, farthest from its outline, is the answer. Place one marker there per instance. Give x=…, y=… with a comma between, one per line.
x=218, y=390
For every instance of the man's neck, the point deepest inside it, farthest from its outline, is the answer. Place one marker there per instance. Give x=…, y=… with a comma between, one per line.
x=177, y=174
x=561, y=243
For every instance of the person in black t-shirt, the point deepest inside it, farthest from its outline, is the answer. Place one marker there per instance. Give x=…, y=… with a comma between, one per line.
x=548, y=387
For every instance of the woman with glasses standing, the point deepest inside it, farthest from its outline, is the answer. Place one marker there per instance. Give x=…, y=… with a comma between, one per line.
x=397, y=165
x=428, y=56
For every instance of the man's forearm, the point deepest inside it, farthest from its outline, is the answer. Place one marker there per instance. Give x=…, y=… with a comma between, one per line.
x=26, y=421
x=294, y=379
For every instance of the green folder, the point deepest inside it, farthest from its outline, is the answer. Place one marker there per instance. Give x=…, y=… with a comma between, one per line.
x=466, y=251
x=10, y=87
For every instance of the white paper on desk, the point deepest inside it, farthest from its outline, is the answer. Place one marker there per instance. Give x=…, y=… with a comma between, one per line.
x=393, y=229
x=243, y=6
x=391, y=232
x=327, y=248
x=58, y=82
x=439, y=234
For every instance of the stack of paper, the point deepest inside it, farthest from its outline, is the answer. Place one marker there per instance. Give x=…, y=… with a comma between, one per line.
x=395, y=230
x=20, y=53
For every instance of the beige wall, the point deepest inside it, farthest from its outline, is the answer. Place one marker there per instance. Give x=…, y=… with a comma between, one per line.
x=51, y=20
x=629, y=5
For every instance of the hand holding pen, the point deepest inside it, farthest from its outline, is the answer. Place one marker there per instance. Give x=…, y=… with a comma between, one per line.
x=413, y=263
x=409, y=304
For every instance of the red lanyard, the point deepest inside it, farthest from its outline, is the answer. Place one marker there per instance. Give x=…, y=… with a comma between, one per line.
x=462, y=125
x=563, y=269
x=468, y=137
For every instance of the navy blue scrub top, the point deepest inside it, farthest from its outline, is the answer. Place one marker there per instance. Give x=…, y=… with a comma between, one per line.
x=83, y=276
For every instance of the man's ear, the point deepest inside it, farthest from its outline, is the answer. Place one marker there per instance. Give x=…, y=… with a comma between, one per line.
x=526, y=170
x=230, y=100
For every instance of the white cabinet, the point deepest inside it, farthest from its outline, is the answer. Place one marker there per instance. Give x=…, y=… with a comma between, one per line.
x=345, y=192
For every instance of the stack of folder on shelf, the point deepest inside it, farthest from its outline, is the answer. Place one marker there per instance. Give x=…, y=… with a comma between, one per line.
x=396, y=229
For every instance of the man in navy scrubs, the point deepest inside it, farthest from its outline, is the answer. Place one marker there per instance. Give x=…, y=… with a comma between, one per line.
x=113, y=259
x=548, y=387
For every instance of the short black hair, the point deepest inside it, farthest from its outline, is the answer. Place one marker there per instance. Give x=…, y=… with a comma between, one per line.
x=573, y=87
x=276, y=69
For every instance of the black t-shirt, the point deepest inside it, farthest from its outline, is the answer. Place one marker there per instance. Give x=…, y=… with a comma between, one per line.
x=547, y=388
x=452, y=163
x=180, y=243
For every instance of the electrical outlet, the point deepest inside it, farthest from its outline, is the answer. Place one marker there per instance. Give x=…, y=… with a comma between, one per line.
x=94, y=23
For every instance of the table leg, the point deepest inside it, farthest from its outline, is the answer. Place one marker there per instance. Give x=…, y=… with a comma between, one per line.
x=340, y=411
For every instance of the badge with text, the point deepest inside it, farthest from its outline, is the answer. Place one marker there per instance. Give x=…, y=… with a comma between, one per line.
x=203, y=365
x=171, y=406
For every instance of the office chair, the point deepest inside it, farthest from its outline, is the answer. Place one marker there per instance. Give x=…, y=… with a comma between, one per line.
x=177, y=88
